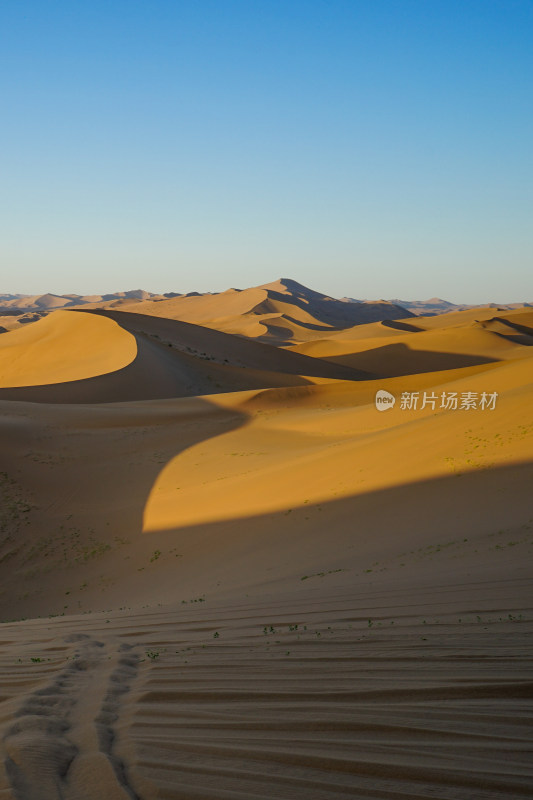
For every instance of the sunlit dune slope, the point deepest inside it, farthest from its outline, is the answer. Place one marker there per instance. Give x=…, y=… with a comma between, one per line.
x=341, y=447
x=64, y=347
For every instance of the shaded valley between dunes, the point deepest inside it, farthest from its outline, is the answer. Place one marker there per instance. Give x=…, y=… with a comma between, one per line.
x=225, y=574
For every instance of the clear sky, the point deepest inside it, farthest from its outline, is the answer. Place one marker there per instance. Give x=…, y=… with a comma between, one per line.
x=369, y=148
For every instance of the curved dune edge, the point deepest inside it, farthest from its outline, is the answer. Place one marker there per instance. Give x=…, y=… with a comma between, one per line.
x=62, y=347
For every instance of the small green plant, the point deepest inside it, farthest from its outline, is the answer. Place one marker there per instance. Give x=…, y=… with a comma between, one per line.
x=155, y=555
x=216, y=635
x=152, y=654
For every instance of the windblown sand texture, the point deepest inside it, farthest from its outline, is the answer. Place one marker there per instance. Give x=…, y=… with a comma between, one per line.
x=225, y=574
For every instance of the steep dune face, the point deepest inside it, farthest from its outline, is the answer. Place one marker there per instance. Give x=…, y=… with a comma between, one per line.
x=63, y=347
x=274, y=589
x=327, y=310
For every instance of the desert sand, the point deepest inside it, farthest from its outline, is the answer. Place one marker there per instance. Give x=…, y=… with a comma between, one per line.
x=226, y=574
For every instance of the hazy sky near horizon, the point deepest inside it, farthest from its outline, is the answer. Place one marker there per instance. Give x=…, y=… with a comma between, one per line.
x=369, y=149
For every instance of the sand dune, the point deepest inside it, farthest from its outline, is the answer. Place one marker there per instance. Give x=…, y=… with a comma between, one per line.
x=400, y=347
x=63, y=347
x=281, y=312
x=266, y=588
x=110, y=356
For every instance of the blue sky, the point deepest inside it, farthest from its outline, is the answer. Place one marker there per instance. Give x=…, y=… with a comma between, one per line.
x=371, y=149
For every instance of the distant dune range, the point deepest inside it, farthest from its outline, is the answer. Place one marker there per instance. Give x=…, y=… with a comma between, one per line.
x=283, y=311
x=225, y=574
